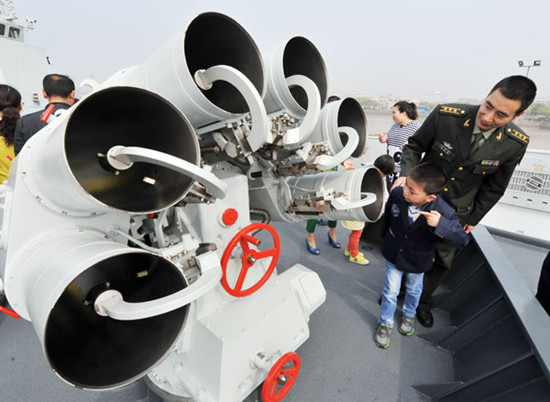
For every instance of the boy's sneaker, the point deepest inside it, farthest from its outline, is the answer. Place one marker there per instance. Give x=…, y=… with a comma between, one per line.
x=382, y=336
x=407, y=326
x=358, y=259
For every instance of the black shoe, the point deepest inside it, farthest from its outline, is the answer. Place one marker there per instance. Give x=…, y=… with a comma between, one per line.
x=425, y=318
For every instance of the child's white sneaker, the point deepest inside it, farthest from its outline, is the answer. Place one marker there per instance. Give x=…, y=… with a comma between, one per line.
x=382, y=336
x=407, y=326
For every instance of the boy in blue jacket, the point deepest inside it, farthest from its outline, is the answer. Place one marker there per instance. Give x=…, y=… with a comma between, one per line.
x=414, y=219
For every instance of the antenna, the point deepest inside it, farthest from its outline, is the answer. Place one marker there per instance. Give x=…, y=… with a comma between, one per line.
x=30, y=23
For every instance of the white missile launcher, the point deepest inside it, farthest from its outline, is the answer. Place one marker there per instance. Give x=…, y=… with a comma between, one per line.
x=127, y=233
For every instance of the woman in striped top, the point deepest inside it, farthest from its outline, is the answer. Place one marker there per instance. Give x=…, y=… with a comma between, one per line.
x=404, y=115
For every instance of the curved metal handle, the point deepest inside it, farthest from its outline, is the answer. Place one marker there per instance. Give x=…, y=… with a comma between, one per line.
x=259, y=133
x=111, y=303
x=325, y=162
x=313, y=111
x=122, y=158
x=341, y=203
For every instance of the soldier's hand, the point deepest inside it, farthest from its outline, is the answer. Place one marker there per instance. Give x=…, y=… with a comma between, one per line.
x=468, y=228
x=432, y=217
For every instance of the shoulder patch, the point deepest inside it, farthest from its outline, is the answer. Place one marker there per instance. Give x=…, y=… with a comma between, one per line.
x=452, y=111
x=519, y=136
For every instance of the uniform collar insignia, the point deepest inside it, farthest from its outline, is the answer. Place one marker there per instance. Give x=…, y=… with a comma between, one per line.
x=499, y=136
x=467, y=123
x=449, y=146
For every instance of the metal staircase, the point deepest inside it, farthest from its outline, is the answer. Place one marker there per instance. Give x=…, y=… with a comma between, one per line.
x=498, y=336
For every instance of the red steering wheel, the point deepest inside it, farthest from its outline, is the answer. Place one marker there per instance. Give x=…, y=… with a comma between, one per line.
x=279, y=375
x=250, y=256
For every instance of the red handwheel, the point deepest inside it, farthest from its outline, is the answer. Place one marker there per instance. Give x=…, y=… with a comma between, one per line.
x=249, y=257
x=278, y=375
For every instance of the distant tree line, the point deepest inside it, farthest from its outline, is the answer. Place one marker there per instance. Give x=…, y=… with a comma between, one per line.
x=537, y=111
x=372, y=104
x=368, y=103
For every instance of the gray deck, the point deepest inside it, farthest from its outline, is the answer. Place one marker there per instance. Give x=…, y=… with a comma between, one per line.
x=339, y=362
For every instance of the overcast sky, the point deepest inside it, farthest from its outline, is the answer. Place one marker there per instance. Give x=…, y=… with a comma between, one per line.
x=413, y=48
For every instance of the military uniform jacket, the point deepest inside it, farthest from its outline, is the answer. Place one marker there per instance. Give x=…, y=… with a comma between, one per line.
x=30, y=124
x=412, y=247
x=476, y=183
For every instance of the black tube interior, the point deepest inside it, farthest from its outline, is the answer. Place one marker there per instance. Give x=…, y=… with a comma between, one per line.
x=351, y=114
x=372, y=182
x=214, y=39
x=129, y=117
x=97, y=352
x=302, y=57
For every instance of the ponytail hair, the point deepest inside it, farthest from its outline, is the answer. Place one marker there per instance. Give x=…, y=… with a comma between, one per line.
x=409, y=108
x=10, y=115
x=10, y=100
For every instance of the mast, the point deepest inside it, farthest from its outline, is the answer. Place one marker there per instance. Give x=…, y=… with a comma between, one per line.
x=7, y=14
x=7, y=10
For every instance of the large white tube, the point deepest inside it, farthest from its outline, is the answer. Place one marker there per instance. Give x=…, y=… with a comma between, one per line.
x=58, y=278
x=358, y=188
x=298, y=56
x=67, y=170
x=343, y=113
x=211, y=39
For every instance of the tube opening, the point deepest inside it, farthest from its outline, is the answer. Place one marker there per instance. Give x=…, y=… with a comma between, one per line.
x=129, y=117
x=302, y=57
x=373, y=183
x=95, y=352
x=214, y=39
x=351, y=114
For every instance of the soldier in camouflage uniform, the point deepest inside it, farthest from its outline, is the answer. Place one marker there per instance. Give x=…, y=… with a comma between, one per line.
x=478, y=147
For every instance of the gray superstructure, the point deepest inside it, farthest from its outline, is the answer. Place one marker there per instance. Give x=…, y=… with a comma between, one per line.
x=21, y=65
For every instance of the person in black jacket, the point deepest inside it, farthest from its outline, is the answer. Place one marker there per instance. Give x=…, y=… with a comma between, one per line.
x=59, y=91
x=415, y=218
